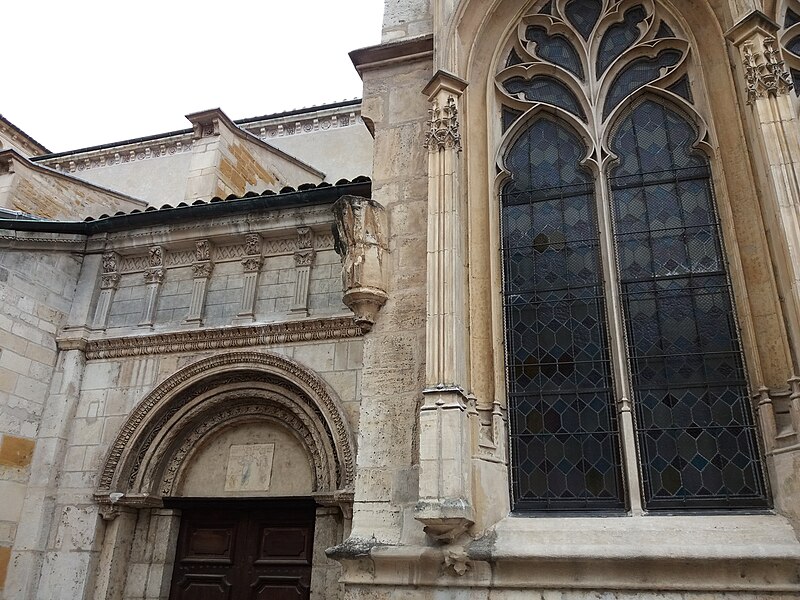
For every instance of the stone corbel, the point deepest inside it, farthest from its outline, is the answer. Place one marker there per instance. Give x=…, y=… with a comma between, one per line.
x=361, y=240
x=202, y=267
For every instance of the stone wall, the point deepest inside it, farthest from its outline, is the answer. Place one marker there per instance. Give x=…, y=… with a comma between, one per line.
x=36, y=291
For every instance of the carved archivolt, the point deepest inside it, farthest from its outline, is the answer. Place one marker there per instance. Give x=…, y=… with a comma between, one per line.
x=146, y=459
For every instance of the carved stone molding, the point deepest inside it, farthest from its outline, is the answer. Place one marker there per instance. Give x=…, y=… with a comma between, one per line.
x=252, y=244
x=443, y=129
x=362, y=236
x=154, y=433
x=154, y=275
x=202, y=269
x=109, y=281
x=765, y=72
x=252, y=264
x=329, y=328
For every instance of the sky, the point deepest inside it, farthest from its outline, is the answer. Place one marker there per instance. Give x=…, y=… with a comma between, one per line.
x=89, y=72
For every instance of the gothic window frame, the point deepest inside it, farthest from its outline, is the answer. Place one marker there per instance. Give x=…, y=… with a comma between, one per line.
x=789, y=38
x=587, y=116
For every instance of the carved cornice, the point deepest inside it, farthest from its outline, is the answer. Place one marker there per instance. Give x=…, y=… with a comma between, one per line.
x=244, y=336
x=119, y=155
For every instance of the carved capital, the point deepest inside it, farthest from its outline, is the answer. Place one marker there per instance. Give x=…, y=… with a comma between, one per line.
x=154, y=275
x=765, y=72
x=361, y=239
x=202, y=269
x=110, y=262
x=304, y=257
x=109, y=281
x=252, y=244
x=305, y=237
x=252, y=264
x=155, y=256
x=202, y=250
x=443, y=129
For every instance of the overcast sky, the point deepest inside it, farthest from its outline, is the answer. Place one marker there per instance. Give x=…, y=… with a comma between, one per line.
x=88, y=72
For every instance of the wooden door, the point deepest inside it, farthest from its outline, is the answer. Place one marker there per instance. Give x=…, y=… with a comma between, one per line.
x=244, y=550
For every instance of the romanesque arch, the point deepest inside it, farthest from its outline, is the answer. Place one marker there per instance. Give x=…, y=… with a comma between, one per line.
x=156, y=442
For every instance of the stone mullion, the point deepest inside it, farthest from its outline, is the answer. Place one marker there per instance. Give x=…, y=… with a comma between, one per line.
x=252, y=267
x=109, y=280
x=201, y=269
x=768, y=86
x=153, y=277
x=445, y=487
x=303, y=260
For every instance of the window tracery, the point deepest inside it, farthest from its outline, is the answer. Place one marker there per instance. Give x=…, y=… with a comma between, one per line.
x=621, y=343
x=790, y=39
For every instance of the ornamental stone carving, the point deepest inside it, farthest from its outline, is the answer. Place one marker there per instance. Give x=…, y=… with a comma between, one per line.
x=252, y=244
x=202, y=250
x=154, y=275
x=361, y=240
x=202, y=269
x=765, y=72
x=156, y=256
x=144, y=458
x=110, y=262
x=443, y=129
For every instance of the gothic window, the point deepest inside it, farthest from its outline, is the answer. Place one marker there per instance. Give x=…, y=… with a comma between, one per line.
x=621, y=342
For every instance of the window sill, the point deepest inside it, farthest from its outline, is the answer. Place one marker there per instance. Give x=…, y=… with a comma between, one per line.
x=747, y=555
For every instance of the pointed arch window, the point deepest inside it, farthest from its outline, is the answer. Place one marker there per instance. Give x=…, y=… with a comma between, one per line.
x=625, y=373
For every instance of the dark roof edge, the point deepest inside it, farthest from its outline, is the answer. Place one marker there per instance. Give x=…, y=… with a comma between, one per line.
x=408, y=49
x=320, y=195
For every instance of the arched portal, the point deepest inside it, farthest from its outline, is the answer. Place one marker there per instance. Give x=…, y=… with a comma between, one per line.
x=243, y=427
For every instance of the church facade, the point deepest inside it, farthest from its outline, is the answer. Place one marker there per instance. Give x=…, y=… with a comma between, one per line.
x=521, y=323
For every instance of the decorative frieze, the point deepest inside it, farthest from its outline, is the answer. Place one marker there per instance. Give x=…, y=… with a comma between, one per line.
x=244, y=336
x=300, y=126
x=116, y=156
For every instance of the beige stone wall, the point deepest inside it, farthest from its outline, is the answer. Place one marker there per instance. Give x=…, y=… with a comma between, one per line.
x=32, y=189
x=37, y=289
x=394, y=351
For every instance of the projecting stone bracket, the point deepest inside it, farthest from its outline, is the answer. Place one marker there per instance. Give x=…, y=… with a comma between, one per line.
x=361, y=240
x=446, y=519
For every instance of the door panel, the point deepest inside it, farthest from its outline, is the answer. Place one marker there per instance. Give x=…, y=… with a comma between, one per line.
x=243, y=550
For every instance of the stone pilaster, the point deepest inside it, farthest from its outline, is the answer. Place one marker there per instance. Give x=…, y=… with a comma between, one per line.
x=202, y=268
x=109, y=279
x=303, y=260
x=153, y=277
x=445, y=495
x=774, y=125
x=251, y=264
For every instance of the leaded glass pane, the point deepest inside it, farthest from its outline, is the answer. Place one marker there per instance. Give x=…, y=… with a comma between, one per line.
x=694, y=427
x=583, y=15
x=791, y=18
x=638, y=73
x=564, y=439
x=793, y=45
x=664, y=31
x=542, y=88
x=682, y=89
x=509, y=115
x=555, y=49
x=796, y=80
x=619, y=38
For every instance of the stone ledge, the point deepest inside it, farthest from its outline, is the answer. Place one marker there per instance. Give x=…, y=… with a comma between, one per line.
x=742, y=554
x=242, y=336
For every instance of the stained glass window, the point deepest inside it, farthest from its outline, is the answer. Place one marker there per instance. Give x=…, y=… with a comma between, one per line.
x=564, y=432
x=677, y=357
x=697, y=441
